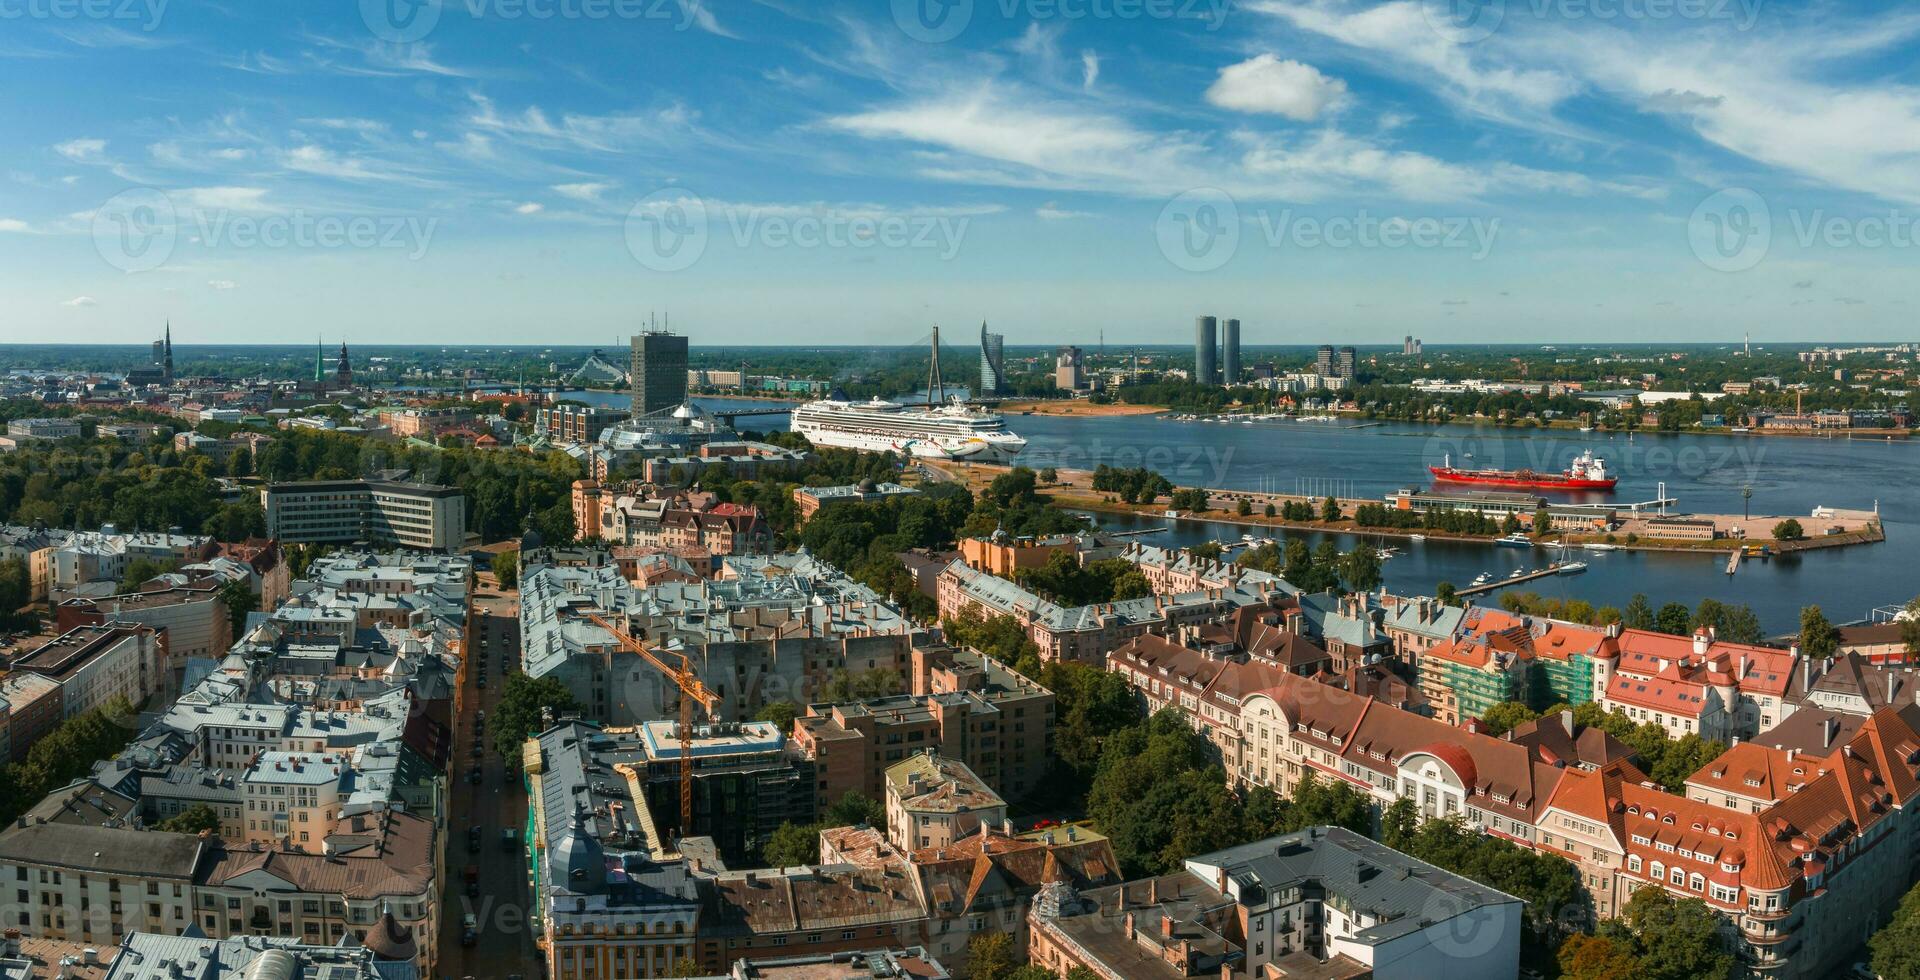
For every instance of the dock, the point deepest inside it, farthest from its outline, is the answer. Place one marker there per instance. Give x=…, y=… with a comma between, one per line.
x=1733, y=562
x=1497, y=584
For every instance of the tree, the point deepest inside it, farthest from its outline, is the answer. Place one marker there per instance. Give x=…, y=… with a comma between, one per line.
x=791, y=845
x=1896, y=947
x=1361, y=567
x=1673, y=618
x=1505, y=716
x=990, y=955
x=1589, y=957
x=1244, y=508
x=194, y=819
x=1818, y=637
x=141, y=570
x=1446, y=593
x=506, y=569
x=520, y=713
x=1788, y=530
x=239, y=598
x=16, y=590
x=781, y=713
x=1638, y=615
x=855, y=809
x=1330, y=509
x=1049, y=475
x=1910, y=628
x=1679, y=939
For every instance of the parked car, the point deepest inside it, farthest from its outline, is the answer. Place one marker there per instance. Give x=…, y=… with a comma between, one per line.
x=473, y=774
x=473, y=840
x=509, y=839
x=469, y=929
x=473, y=880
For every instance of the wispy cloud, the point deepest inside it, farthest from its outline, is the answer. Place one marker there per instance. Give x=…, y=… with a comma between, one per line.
x=81, y=301
x=87, y=150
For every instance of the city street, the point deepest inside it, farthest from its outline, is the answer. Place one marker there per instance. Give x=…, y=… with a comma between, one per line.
x=505, y=943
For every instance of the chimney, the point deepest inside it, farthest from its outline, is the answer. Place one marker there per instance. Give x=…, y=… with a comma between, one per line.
x=1166, y=926
x=1701, y=640
x=1566, y=720
x=1153, y=891
x=1829, y=727
x=1129, y=925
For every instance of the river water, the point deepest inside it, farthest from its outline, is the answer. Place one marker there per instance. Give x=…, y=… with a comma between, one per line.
x=1788, y=476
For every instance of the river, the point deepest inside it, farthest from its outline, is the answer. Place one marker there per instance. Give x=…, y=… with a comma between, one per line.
x=1788, y=476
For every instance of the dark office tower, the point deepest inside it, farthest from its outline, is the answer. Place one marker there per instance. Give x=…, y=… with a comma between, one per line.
x=658, y=371
x=1346, y=362
x=1323, y=361
x=1230, y=351
x=1205, y=370
x=993, y=362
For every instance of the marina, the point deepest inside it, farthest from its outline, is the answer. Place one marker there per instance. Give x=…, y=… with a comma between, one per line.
x=1705, y=472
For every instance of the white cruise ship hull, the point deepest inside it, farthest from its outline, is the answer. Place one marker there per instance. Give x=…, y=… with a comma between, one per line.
x=888, y=433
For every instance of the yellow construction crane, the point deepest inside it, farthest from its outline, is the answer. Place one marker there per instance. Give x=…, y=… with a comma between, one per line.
x=692, y=689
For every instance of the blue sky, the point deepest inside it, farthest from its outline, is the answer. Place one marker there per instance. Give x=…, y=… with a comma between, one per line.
x=554, y=170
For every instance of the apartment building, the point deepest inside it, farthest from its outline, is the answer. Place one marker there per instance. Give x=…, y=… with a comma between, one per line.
x=293, y=798
x=758, y=633
x=43, y=428
x=193, y=618
x=808, y=500
x=576, y=423
x=409, y=515
x=961, y=703
x=30, y=706
x=1088, y=633
x=96, y=884
x=609, y=900
x=1698, y=684
x=933, y=802
x=95, y=664
x=1323, y=902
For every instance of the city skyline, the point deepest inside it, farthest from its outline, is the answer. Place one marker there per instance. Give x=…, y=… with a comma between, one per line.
x=471, y=176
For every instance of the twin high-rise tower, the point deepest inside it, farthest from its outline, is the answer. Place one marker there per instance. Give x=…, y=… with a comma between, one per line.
x=1216, y=350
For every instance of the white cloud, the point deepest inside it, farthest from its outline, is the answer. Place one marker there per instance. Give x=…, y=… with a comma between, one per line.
x=1014, y=139
x=1089, y=68
x=323, y=162
x=1266, y=83
x=79, y=301
x=15, y=225
x=1053, y=212
x=531, y=207
x=602, y=133
x=223, y=198
x=222, y=284
x=585, y=192
x=83, y=150
x=695, y=12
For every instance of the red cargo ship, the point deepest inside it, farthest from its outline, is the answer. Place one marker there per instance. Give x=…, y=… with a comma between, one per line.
x=1588, y=472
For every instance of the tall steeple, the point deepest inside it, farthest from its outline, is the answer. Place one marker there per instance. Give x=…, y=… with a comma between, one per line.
x=166, y=359
x=343, y=371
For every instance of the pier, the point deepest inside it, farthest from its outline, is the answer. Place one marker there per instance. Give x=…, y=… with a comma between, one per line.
x=1553, y=569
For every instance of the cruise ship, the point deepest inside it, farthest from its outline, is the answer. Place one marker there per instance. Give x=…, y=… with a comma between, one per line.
x=937, y=432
